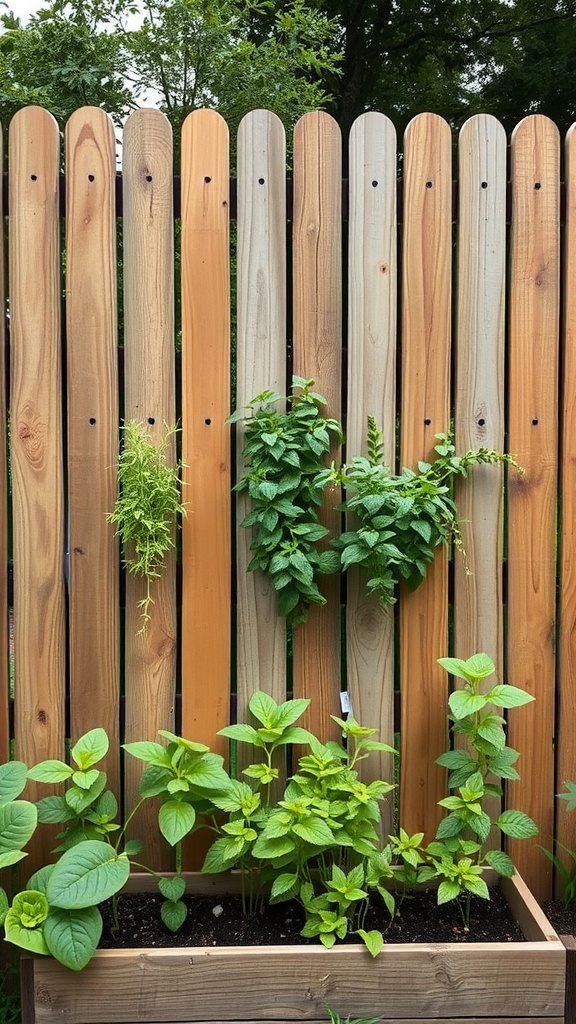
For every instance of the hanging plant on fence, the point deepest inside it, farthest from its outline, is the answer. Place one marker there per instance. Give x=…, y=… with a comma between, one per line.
x=284, y=454
x=147, y=506
x=402, y=518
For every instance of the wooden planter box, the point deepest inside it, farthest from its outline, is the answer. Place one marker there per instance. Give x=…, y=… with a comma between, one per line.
x=508, y=982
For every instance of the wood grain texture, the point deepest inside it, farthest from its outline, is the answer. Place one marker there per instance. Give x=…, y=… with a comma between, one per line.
x=92, y=423
x=426, y=304
x=372, y=291
x=36, y=443
x=533, y=432
x=566, y=682
x=478, y=608
x=150, y=398
x=317, y=339
x=4, y=644
x=261, y=365
x=205, y=435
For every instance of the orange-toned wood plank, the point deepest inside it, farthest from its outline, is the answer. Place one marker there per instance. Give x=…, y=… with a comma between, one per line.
x=92, y=428
x=261, y=364
x=317, y=336
x=36, y=445
x=533, y=431
x=372, y=290
x=426, y=291
x=4, y=641
x=205, y=436
x=566, y=683
x=478, y=608
x=150, y=398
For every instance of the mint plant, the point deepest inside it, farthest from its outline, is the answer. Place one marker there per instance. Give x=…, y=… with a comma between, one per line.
x=18, y=820
x=458, y=853
x=402, y=518
x=284, y=453
x=147, y=507
x=319, y=843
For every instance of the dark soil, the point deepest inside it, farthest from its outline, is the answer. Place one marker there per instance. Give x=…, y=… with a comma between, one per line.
x=420, y=920
x=562, y=919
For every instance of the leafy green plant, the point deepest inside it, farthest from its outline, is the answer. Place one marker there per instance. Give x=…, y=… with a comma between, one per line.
x=147, y=507
x=58, y=911
x=319, y=843
x=18, y=820
x=284, y=453
x=335, y=1018
x=402, y=518
x=458, y=854
x=567, y=874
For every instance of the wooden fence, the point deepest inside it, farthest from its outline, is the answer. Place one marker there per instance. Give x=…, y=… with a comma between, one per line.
x=453, y=296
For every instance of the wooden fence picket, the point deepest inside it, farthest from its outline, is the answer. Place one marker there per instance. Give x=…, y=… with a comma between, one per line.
x=533, y=404
x=479, y=406
x=205, y=435
x=261, y=365
x=372, y=289
x=425, y=411
x=150, y=399
x=91, y=360
x=36, y=446
x=317, y=327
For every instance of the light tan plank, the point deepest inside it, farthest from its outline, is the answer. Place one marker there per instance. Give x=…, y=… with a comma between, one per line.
x=150, y=398
x=36, y=442
x=478, y=610
x=317, y=332
x=413, y=980
x=205, y=436
x=426, y=275
x=533, y=432
x=261, y=364
x=92, y=428
x=372, y=290
x=4, y=643
x=566, y=702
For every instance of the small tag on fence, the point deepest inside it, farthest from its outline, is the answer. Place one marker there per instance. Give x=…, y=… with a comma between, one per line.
x=345, y=703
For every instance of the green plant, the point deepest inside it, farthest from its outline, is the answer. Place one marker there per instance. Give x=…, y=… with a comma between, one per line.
x=335, y=1018
x=147, y=506
x=319, y=843
x=18, y=820
x=458, y=853
x=284, y=453
x=568, y=875
x=58, y=911
x=402, y=518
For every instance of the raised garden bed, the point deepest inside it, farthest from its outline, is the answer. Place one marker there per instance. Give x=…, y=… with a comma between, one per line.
x=508, y=982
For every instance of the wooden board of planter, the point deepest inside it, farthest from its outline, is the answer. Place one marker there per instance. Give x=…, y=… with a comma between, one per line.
x=504, y=982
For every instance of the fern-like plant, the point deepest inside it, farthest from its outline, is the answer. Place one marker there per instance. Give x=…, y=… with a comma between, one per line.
x=147, y=506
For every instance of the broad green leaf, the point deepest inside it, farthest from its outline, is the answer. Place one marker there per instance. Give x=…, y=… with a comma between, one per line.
x=501, y=862
x=477, y=886
x=72, y=936
x=176, y=819
x=207, y=773
x=506, y=696
x=85, y=779
x=31, y=939
x=463, y=703
x=448, y=891
x=80, y=799
x=50, y=771
x=154, y=780
x=39, y=879
x=85, y=875
x=314, y=831
x=196, y=748
x=173, y=914
x=373, y=940
x=569, y=796
x=243, y=733
x=53, y=810
x=479, y=666
x=17, y=824
x=133, y=847
x=149, y=751
x=283, y=884
x=172, y=888
x=12, y=780
x=268, y=849
x=11, y=857
x=90, y=748
x=517, y=825
x=221, y=856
